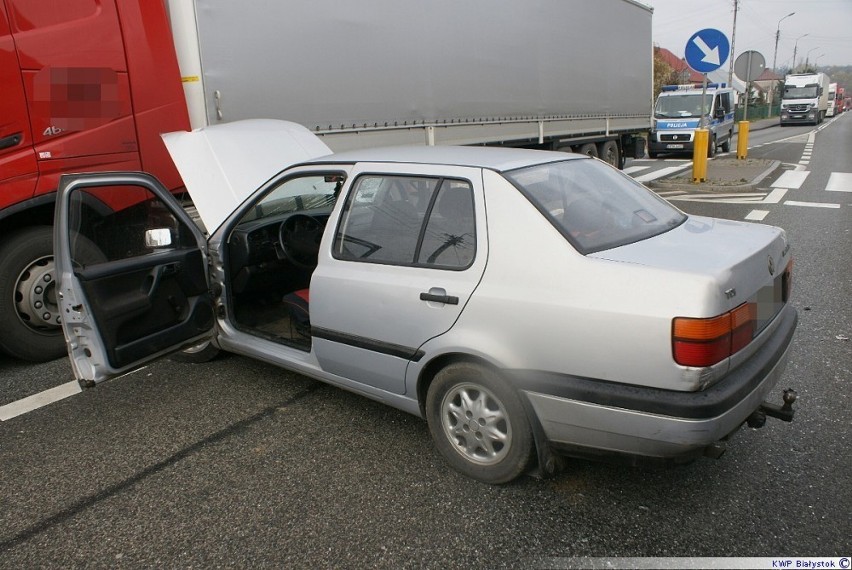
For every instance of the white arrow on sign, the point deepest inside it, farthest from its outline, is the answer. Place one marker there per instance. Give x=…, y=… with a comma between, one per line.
x=711, y=56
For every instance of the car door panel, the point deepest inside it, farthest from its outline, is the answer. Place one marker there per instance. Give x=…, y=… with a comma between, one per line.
x=369, y=319
x=131, y=273
x=150, y=303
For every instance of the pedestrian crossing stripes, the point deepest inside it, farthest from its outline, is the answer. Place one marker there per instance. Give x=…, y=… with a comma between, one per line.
x=839, y=182
x=792, y=180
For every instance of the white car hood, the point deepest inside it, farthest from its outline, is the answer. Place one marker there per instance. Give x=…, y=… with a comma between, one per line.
x=223, y=164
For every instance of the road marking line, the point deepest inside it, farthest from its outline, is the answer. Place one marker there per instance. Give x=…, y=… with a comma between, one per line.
x=36, y=401
x=671, y=193
x=632, y=169
x=791, y=179
x=757, y=215
x=804, y=162
x=811, y=204
x=719, y=198
x=662, y=172
x=839, y=182
x=775, y=196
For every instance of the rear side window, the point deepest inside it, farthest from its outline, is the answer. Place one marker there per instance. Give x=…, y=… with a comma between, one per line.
x=408, y=220
x=593, y=205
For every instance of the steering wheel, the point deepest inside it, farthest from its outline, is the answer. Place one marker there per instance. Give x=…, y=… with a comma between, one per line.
x=299, y=236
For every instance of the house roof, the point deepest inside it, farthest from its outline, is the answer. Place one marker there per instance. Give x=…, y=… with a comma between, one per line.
x=679, y=65
x=769, y=75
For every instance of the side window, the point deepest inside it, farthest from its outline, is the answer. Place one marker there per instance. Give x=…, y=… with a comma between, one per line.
x=450, y=237
x=407, y=220
x=119, y=222
x=726, y=102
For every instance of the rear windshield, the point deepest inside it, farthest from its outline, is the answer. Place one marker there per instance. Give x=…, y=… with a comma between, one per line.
x=593, y=205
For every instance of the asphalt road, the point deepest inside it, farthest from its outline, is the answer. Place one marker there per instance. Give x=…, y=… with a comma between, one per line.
x=237, y=463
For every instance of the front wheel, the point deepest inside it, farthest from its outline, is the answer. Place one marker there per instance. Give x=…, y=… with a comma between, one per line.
x=29, y=314
x=30, y=321
x=711, y=147
x=478, y=423
x=726, y=146
x=200, y=353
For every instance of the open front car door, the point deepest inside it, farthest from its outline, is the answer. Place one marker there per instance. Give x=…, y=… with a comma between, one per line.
x=131, y=273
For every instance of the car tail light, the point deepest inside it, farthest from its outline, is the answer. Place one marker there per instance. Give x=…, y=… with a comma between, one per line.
x=704, y=342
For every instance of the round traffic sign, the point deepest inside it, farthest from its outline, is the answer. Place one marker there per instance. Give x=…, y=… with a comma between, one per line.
x=749, y=65
x=707, y=50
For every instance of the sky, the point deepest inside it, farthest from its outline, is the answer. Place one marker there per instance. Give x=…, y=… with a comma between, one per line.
x=827, y=23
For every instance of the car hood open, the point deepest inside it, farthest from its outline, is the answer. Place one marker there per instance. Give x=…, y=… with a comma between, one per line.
x=223, y=164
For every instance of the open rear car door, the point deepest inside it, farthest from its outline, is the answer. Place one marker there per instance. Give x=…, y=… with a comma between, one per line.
x=131, y=273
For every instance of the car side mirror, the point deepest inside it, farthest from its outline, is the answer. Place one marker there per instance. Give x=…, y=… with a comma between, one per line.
x=158, y=237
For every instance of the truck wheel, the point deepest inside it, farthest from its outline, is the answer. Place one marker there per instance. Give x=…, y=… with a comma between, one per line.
x=478, y=423
x=608, y=152
x=29, y=314
x=711, y=147
x=726, y=146
x=589, y=149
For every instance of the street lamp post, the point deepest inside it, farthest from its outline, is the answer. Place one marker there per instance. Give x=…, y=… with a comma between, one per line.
x=816, y=59
x=774, y=83
x=795, y=49
x=808, y=56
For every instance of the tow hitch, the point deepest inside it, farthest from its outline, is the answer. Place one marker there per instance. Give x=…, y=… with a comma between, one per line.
x=785, y=412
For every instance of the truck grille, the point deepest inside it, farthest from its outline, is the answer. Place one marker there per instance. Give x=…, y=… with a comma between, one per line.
x=670, y=138
x=797, y=108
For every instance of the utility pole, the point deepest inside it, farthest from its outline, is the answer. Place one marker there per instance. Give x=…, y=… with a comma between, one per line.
x=733, y=39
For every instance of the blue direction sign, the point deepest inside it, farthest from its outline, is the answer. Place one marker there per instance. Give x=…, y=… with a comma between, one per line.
x=707, y=50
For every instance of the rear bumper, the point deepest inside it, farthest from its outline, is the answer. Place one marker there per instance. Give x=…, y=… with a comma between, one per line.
x=579, y=413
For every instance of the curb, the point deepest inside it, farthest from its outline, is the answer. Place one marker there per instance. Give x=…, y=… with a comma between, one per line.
x=688, y=186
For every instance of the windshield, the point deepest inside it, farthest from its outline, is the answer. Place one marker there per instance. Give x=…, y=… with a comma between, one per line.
x=593, y=205
x=297, y=195
x=792, y=92
x=686, y=105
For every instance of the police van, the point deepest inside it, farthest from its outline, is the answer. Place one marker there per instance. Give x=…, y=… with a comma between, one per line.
x=677, y=114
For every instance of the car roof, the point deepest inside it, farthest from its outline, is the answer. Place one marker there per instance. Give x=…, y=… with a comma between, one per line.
x=500, y=159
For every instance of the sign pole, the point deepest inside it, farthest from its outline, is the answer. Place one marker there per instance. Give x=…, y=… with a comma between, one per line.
x=748, y=85
x=701, y=123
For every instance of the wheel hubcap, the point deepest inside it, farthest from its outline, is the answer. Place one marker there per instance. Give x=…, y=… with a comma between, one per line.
x=475, y=421
x=35, y=296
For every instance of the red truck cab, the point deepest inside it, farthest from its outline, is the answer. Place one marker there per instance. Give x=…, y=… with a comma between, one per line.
x=88, y=85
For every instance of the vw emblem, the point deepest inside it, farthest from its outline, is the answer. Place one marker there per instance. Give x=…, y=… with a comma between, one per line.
x=771, y=266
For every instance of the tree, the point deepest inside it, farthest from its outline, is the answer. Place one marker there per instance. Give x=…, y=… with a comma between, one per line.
x=663, y=73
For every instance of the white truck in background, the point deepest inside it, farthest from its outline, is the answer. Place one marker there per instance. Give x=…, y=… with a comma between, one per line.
x=805, y=98
x=832, y=100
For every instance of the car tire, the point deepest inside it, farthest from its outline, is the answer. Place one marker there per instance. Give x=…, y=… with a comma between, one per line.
x=478, y=423
x=726, y=146
x=608, y=152
x=653, y=154
x=711, y=147
x=589, y=149
x=198, y=354
x=29, y=313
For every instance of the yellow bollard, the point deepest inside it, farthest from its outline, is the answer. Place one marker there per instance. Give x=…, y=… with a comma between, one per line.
x=699, y=156
x=742, y=140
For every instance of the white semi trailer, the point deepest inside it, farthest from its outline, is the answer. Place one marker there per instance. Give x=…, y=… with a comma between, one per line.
x=383, y=72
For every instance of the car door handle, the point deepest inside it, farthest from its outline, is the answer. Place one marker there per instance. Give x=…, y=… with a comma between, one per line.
x=11, y=140
x=447, y=299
